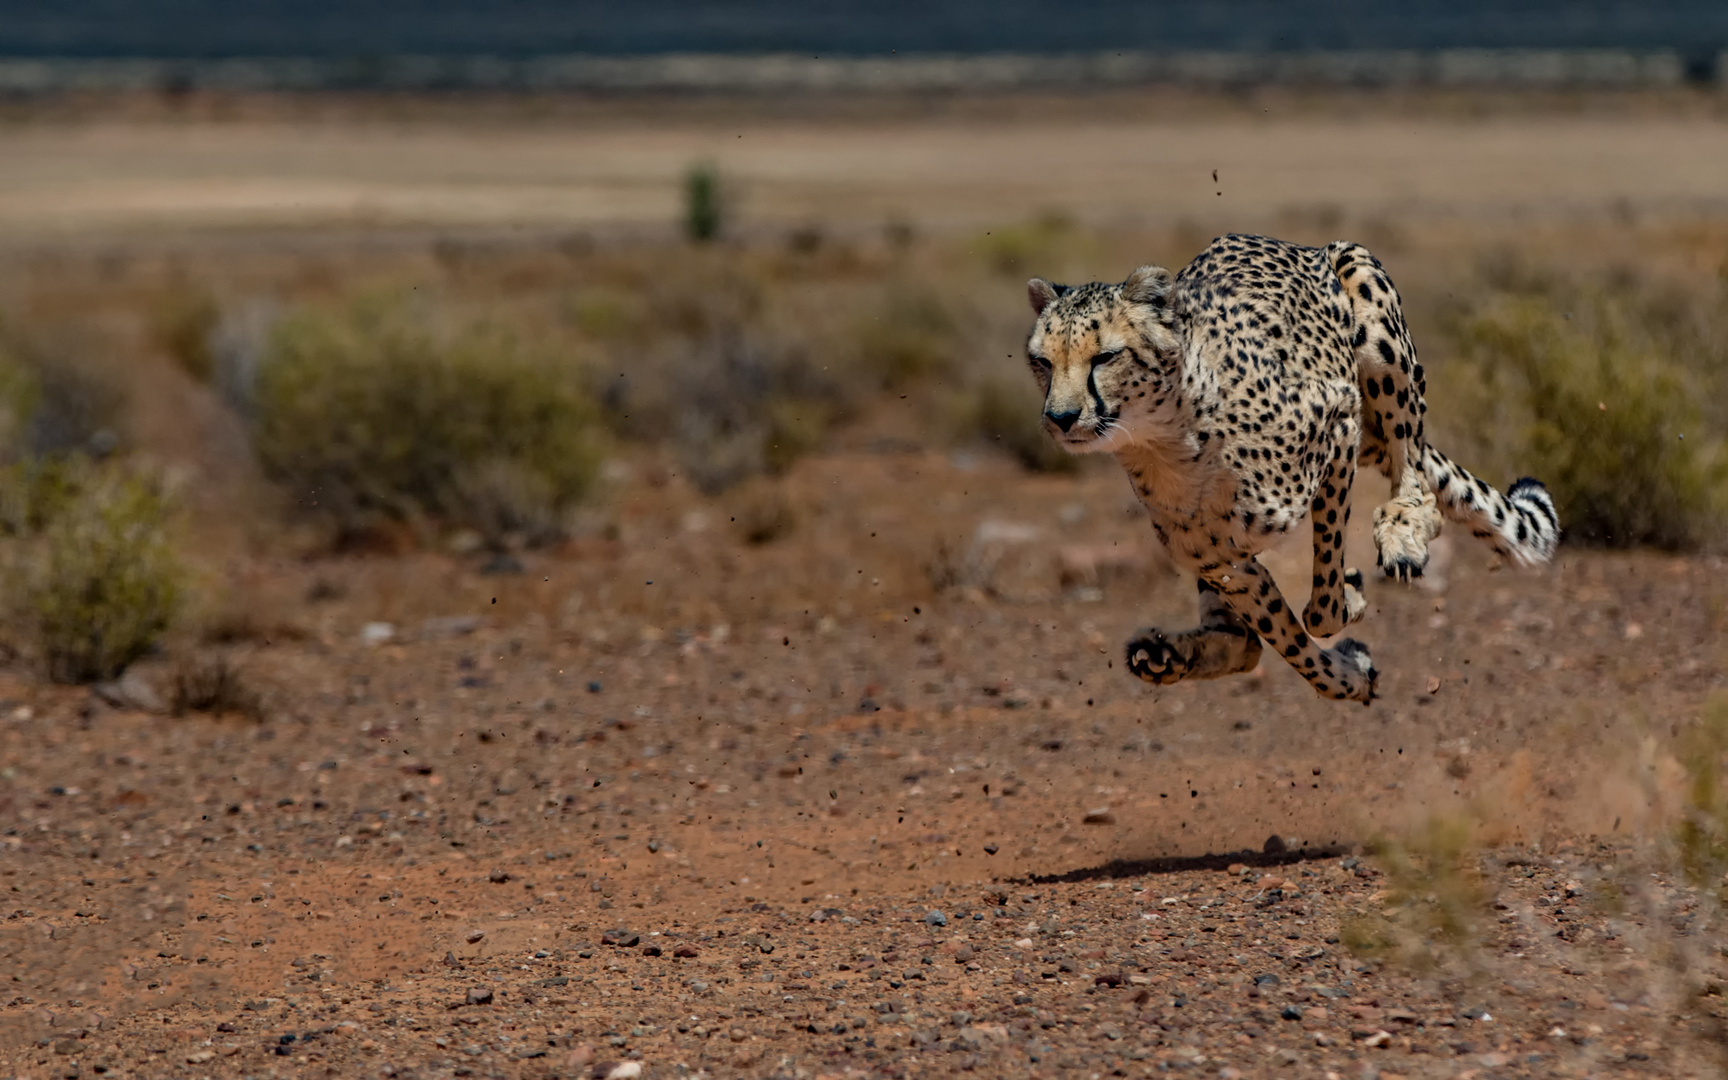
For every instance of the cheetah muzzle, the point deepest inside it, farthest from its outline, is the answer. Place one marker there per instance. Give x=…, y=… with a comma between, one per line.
x=1240, y=395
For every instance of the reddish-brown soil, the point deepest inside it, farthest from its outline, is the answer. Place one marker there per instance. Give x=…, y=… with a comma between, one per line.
x=772, y=764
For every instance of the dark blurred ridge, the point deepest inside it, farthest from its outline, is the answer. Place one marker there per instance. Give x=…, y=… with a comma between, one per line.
x=914, y=72
x=211, y=29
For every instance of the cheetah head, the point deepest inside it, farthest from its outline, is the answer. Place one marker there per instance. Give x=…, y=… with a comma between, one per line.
x=1106, y=357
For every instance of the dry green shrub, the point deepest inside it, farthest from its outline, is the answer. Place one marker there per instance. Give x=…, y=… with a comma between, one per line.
x=181, y=324
x=703, y=209
x=741, y=407
x=20, y=391
x=1434, y=899
x=1677, y=880
x=1595, y=393
x=94, y=578
x=1040, y=246
x=910, y=337
x=214, y=685
x=59, y=393
x=369, y=413
x=734, y=388
x=1006, y=412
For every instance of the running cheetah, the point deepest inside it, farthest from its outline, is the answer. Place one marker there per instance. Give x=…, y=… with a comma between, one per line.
x=1237, y=395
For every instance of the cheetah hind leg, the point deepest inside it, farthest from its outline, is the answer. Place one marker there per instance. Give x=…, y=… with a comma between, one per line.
x=1336, y=599
x=1222, y=645
x=1354, y=605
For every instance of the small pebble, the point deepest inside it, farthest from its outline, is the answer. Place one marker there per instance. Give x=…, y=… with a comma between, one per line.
x=936, y=918
x=479, y=997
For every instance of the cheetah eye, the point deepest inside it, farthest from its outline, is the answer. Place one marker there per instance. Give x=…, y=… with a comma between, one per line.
x=1106, y=357
x=1041, y=364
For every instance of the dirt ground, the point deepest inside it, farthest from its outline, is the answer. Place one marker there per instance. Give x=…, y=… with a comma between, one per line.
x=874, y=797
x=792, y=809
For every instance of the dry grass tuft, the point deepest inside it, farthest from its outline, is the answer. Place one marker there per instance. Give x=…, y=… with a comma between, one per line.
x=1433, y=903
x=215, y=686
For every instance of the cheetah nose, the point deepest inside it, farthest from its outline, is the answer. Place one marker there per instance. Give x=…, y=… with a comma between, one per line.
x=1063, y=420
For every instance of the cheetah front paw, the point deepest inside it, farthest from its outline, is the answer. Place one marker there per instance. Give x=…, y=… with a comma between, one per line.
x=1210, y=652
x=1326, y=617
x=1402, y=529
x=1157, y=658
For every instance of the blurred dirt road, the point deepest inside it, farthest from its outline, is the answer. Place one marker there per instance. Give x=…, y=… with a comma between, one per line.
x=942, y=170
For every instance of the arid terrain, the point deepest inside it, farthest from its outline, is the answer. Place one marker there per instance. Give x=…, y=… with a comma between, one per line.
x=836, y=771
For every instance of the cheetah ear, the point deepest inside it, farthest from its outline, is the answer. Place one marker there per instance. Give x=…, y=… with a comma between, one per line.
x=1149, y=285
x=1042, y=294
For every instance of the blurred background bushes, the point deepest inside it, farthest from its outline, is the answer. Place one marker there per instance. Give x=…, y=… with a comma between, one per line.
x=372, y=411
x=1612, y=391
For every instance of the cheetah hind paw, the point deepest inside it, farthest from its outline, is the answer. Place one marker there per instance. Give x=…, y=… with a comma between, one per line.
x=1355, y=604
x=1402, y=529
x=1354, y=657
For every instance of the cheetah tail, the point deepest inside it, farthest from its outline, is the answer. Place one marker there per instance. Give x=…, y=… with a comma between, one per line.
x=1520, y=525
